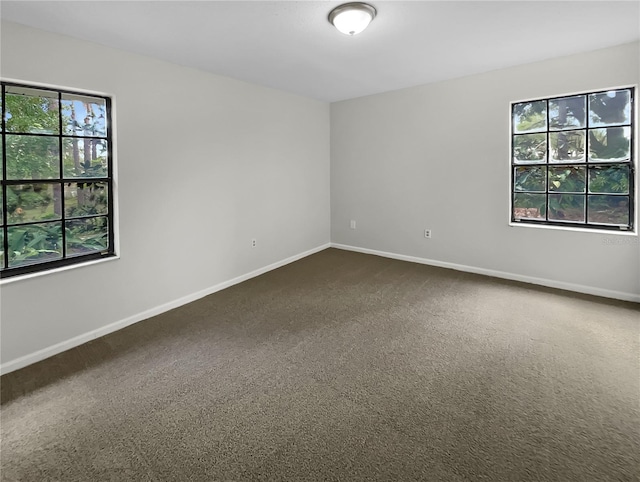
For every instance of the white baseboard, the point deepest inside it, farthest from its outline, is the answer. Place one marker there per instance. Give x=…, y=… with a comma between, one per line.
x=590, y=290
x=50, y=351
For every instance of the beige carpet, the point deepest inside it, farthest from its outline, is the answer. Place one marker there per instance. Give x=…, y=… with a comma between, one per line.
x=342, y=366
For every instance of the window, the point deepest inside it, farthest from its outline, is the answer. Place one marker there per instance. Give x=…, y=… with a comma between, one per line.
x=57, y=188
x=572, y=160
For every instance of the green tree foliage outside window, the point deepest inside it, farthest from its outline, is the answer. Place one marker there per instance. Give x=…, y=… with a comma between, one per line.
x=572, y=160
x=56, y=196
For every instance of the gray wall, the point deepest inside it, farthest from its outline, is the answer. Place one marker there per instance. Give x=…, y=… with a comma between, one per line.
x=437, y=156
x=205, y=163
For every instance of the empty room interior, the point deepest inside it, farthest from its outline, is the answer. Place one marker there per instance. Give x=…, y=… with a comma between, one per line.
x=255, y=241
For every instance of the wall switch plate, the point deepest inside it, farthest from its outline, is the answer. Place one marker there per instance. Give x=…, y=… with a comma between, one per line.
x=353, y=224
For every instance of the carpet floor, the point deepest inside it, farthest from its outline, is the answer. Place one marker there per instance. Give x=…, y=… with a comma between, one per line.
x=341, y=366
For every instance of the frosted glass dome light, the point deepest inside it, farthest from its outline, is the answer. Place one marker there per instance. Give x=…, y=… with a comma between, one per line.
x=352, y=18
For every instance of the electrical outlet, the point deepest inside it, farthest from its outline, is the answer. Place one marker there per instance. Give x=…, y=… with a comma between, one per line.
x=353, y=224
x=427, y=233
x=254, y=242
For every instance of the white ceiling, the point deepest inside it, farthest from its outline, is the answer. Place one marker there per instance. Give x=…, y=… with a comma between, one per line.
x=290, y=45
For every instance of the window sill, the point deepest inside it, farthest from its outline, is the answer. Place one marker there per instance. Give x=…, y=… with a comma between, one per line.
x=576, y=229
x=23, y=277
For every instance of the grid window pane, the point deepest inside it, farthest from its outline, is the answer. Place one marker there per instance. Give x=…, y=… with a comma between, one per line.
x=530, y=117
x=33, y=157
x=567, y=112
x=529, y=148
x=85, y=199
x=85, y=157
x=567, y=146
x=567, y=179
x=33, y=202
x=608, y=209
x=610, y=108
x=84, y=236
x=31, y=110
x=84, y=115
x=566, y=207
x=529, y=206
x=34, y=243
x=609, y=144
x=531, y=179
x=609, y=179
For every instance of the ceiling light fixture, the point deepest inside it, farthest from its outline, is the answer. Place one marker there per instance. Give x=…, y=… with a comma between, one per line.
x=352, y=18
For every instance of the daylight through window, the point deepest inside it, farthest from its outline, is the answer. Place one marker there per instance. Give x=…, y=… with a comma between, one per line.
x=572, y=160
x=57, y=189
